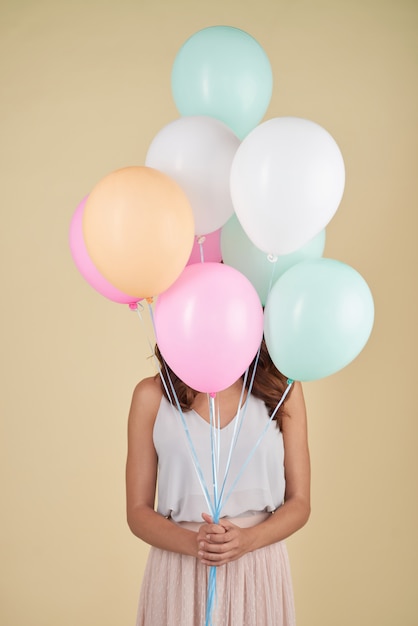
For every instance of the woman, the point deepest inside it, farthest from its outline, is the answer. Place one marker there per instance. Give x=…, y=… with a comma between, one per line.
x=268, y=500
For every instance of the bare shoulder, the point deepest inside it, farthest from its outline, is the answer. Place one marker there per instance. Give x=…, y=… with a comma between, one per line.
x=146, y=400
x=295, y=410
x=296, y=401
x=148, y=388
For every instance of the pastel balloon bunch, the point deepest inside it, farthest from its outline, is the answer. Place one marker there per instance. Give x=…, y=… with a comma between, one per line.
x=286, y=179
x=220, y=184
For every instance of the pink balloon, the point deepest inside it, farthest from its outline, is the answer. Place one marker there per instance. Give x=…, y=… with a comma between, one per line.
x=85, y=265
x=208, y=245
x=209, y=326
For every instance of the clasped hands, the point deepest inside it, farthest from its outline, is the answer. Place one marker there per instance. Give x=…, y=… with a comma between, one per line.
x=221, y=543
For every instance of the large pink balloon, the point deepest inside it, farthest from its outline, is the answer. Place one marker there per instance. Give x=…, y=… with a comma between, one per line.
x=206, y=248
x=209, y=325
x=86, y=266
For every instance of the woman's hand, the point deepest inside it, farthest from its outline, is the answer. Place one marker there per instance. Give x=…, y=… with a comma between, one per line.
x=221, y=543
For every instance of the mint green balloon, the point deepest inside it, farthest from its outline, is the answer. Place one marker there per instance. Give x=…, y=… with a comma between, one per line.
x=224, y=73
x=261, y=269
x=318, y=318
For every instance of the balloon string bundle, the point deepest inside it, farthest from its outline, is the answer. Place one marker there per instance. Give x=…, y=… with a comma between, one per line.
x=220, y=497
x=171, y=393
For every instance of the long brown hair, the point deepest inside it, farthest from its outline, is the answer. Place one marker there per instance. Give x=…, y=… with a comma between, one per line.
x=269, y=384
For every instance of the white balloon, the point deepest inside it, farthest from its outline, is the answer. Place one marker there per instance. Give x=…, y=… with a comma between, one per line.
x=197, y=153
x=287, y=182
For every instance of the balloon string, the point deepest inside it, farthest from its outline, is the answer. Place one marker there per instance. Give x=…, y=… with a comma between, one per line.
x=239, y=422
x=179, y=411
x=139, y=309
x=211, y=595
x=215, y=456
x=211, y=591
x=201, y=241
x=192, y=449
x=259, y=440
x=273, y=260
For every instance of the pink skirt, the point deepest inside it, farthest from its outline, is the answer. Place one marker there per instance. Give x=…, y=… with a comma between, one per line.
x=255, y=590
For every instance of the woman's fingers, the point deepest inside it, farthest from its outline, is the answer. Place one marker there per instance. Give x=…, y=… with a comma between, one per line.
x=210, y=528
x=218, y=549
x=217, y=558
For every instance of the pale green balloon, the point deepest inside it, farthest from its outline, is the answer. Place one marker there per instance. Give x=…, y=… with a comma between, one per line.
x=261, y=269
x=318, y=318
x=223, y=72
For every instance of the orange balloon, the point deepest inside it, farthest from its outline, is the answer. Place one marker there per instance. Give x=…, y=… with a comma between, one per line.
x=139, y=230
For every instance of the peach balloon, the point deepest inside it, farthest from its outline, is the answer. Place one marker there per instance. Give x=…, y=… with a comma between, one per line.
x=139, y=230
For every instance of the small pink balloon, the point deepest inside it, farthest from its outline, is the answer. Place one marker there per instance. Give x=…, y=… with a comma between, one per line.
x=206, y=248
x=85, y=265
x=209, y=326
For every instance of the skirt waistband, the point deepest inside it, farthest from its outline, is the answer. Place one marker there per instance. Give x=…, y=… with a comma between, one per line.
x=242, y=522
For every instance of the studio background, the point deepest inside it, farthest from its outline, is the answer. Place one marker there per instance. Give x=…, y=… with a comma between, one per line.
x=85, y=88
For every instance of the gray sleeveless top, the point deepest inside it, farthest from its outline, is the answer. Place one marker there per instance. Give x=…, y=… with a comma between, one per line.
x=261, y=485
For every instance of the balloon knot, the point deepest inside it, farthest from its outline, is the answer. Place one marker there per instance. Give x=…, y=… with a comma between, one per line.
x=150, y=300
x=200, y=240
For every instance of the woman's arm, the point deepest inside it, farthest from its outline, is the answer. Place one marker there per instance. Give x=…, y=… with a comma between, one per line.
x=217, y=548
x=141, y=476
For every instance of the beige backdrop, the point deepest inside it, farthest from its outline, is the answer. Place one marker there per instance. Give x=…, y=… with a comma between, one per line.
x=85, y=86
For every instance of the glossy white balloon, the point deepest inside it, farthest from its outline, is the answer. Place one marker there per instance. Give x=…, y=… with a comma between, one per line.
x=287, y=182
